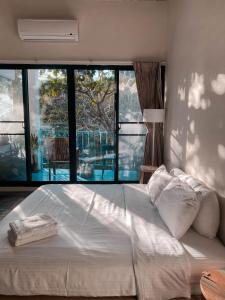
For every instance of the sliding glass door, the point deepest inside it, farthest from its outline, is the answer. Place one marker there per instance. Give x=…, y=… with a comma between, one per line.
x=12, y=134
x=132, y=131
x=69, y=124
x=49, y=133
x=95, y=124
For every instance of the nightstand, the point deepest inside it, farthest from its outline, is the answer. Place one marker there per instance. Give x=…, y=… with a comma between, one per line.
x=212, y=285
x=146, y=172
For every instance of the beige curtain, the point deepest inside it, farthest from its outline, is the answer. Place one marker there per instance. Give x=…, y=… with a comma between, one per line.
x=148, y=78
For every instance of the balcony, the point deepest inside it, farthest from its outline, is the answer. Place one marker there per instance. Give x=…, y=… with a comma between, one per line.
x=95, y=158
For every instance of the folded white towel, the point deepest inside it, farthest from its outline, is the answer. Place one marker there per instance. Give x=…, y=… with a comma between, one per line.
x=14, y=241
x=37, y=224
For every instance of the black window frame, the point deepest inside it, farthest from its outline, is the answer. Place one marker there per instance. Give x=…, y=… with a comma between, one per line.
x=71, y=118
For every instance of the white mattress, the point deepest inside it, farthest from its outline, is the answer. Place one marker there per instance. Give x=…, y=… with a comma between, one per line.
x=91, y=255
x=205, y=254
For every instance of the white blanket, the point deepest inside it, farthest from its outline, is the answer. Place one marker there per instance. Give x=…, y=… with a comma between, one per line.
x=161, y=265
x=90, y=256
x=111, y=242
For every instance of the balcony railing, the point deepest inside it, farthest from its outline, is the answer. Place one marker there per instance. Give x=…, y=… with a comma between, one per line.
x=95, y=150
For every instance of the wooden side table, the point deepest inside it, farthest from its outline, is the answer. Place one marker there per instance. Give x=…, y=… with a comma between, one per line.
x=213, y=285
x=146, y=172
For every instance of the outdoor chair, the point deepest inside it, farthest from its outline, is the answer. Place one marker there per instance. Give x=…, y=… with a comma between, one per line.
x=58, y=153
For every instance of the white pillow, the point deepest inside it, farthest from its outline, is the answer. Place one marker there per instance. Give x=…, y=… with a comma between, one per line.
x=176, y=172
x=208, y=218
x=191, y=181
x=157, y=182
x=178, y=206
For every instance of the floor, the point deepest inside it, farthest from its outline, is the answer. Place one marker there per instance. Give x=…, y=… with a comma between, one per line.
x=7, y=203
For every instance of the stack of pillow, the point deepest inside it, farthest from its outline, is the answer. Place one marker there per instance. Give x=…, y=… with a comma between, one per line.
x=183, y=201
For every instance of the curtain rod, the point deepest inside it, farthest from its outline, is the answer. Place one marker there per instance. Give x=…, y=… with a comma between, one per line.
x=69, y=62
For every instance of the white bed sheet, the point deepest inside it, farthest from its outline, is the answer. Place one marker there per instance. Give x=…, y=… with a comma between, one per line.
x=161, y=264
x=91, y=256
x=111, y=242
x=204, y=254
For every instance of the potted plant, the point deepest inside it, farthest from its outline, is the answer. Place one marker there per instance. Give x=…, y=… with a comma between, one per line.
x=34, y=152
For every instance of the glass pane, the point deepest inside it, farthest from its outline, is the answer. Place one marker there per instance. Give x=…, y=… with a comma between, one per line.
x=12, y=143
x=95, y=117
x=129, y=107
x=132, y=129
x=12, y=158
x=131, y=152
x=16, y=127
x=11, y=95
x=49, y=140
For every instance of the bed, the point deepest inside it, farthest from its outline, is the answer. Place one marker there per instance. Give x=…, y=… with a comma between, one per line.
x=204, y=254
x=111, y=242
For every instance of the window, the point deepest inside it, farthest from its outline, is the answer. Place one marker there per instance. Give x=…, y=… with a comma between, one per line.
x=132, y=131
x=69, y=124
x=12, y=135
x=95, y=124
x=49, y=134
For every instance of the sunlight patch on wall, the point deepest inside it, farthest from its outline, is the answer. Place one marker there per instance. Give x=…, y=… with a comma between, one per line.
x=218, y=85
x=181, y=93
x=221, y=151
x=194, y=168
x=196, y=91
x=194, y=164
x=176, y=152
x=192, y=148
x=192, y=127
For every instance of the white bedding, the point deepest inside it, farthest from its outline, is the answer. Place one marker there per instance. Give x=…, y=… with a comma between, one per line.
x=111, y=242
x=91, y=256
x=161, y=264
x=204, y=254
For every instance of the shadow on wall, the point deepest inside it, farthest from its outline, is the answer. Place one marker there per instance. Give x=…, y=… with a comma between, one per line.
x=195, y=136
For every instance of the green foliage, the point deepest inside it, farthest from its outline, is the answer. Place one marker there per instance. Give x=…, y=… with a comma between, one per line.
x=129, y=106
x=53, y=97
x=94, y=98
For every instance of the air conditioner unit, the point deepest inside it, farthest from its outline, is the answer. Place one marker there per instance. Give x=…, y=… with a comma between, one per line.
x=48, y=30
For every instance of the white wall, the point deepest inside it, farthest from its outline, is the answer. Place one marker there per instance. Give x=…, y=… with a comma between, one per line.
x=109, y=30
x=195, y=128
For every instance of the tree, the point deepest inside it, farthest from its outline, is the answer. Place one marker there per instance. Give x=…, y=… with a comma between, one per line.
x=94, y=95
x=53, y=97
x=95, y=91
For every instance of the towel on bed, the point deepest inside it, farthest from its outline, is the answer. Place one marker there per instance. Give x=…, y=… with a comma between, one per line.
x=19, y=242
x=31, y=229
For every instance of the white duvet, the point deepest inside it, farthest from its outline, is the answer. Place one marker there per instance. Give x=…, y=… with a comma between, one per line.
x=111, y=242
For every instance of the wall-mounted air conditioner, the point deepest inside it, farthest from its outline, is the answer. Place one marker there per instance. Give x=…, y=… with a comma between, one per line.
x=48, y=30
